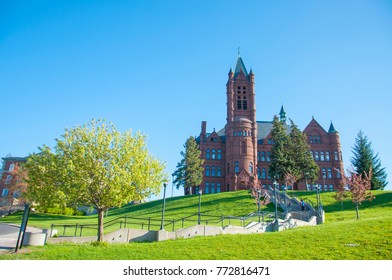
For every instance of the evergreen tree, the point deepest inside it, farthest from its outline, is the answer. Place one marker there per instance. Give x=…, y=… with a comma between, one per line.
x=189, y=171
x=299, y=153
x=364, y=160
x=290, y=155
x=280, y=162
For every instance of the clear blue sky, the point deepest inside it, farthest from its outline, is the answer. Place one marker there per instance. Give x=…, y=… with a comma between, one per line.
x=161, y=67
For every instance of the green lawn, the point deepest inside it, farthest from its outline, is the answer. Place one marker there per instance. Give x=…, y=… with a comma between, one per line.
x=341, y=237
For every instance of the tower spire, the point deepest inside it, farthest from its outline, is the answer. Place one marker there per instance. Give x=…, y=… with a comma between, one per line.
x=282, y=115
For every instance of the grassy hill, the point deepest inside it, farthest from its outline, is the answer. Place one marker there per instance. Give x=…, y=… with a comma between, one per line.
x=341, y=237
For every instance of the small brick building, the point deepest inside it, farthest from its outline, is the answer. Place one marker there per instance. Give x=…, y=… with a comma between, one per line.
x=9, y=164
x=237, y=156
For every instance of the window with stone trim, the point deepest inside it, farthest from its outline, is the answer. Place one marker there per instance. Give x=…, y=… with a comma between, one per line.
x=236, y=167
x=219, y=171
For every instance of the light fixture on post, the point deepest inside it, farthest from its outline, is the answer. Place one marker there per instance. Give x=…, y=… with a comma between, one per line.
x=276, y=205
x=258, y=203
x=198, y=215
x=163, y=206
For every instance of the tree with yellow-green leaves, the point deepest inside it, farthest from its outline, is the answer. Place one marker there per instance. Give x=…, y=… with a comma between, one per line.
x=94, y=164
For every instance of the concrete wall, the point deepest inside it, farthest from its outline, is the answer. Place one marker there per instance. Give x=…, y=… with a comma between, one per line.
x=126, y=235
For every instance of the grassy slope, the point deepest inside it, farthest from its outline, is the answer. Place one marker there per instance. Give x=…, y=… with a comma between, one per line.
x=341, y=237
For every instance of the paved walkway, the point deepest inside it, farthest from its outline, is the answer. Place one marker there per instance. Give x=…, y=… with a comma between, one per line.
x=9, y=235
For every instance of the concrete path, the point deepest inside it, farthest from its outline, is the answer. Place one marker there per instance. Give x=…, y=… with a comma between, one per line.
x=9, y=235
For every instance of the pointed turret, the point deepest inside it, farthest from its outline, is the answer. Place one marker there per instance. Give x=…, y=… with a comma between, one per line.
x=282, y=115
x=240, y=67
x=332, y=129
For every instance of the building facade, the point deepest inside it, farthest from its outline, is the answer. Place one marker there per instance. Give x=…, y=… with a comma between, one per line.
x=237, y=157
x=8, y=167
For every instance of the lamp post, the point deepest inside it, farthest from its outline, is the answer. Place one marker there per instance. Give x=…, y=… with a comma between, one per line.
x=276, y=205
x=258, y=203
x=172, y=183
x=164, y=205
x=198, y=215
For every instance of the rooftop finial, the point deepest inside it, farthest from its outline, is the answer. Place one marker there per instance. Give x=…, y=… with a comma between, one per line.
x=239, y=51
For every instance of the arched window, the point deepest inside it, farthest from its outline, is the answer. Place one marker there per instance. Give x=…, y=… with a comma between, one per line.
x=219, y=154
x=5, y=192
x=218, y=171
x=336, y=155
x=208, y=154
x=207, y=170
x=213, y=174
x=268, y=156
x=236, y=167
x=250, y=167
x=338, y=173
x=218, y=187
x=213, y=155
x=258, y=173
x=262, y=156
x=263, y=173
x=324, y=173
x=212, y=187
x=331, y=187
x=8, y=180
x=329, y=173
x=258, y=156
x=12, y=166
x=327, y=158
x=322, y=156
x=207, y=188
x=311, y=152
x=316, y=156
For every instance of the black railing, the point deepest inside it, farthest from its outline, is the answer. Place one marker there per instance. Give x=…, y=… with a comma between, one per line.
x=150, y=223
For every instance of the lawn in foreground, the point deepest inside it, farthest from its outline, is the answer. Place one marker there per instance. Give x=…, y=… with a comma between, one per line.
x=366, y=239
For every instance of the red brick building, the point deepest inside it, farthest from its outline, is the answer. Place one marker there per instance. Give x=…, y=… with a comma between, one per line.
x=9, y=164
x=237, y=156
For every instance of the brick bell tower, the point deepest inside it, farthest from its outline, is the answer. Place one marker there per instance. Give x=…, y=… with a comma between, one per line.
x=241, y=130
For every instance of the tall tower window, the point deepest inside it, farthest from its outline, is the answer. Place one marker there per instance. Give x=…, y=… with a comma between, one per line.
x=239, y=104
x=245, y=104
x=336, y=155
x=236, y=167
x=250, y=167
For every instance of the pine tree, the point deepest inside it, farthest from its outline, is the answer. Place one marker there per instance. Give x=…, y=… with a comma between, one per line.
x=364, y=160
x=299, y=153
x=280, y=162
x=189, y=171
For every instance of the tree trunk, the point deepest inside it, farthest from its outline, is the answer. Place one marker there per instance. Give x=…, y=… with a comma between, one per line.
x=100, y=224
x=357, y=209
